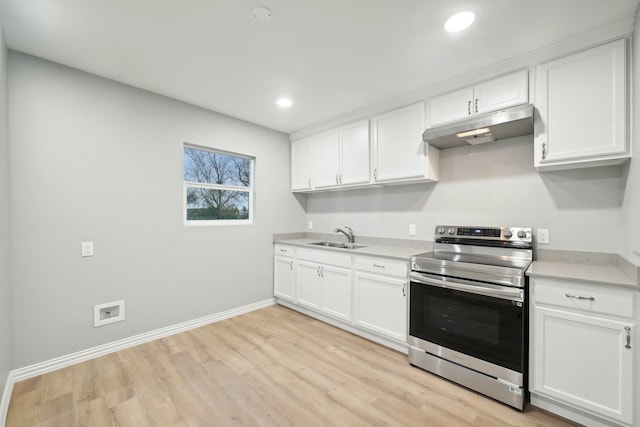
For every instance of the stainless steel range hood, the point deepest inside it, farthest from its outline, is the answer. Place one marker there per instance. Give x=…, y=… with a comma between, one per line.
x=481, y=128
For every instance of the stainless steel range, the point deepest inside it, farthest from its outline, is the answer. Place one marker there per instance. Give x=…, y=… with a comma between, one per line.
x=468, y=316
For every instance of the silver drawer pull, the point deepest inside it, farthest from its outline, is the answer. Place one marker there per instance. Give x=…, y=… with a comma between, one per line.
x=628, y=330
x=378, y=266
x=579, y=297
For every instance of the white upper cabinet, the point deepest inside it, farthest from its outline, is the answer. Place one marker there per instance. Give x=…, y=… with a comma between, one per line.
x=496, y=94
x=342, y=156
x=302, y=165
x=355, y=149
x=399, y=153
x=326, y=158
x=582, y=101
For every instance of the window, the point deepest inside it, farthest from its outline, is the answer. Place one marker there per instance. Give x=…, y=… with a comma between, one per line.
x=218, y=187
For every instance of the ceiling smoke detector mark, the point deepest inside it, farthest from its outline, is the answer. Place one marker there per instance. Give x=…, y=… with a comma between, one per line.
x=262, y=14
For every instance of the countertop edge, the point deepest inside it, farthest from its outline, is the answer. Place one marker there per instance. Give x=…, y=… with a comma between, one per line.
x=370, y=249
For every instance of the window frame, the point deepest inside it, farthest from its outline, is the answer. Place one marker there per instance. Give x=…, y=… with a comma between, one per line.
x=191, y=184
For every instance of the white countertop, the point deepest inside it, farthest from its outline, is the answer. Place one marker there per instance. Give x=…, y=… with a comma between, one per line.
x=596, y=274
x=396, y=252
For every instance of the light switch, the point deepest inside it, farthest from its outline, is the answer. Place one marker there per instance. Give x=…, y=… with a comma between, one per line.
x=87, y=249
x=310, y=225
x=412, y=229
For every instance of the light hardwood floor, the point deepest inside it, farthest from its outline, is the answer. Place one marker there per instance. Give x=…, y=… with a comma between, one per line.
x=271, y=367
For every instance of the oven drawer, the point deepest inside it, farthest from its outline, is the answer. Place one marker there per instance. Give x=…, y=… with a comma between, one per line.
x=582, y=297
x=385, y=266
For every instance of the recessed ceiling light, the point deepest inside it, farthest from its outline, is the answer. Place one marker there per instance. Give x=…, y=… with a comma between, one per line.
x=284, y=102
x=459, y=21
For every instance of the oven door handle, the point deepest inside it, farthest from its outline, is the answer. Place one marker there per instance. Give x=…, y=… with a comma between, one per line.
x=513, y=294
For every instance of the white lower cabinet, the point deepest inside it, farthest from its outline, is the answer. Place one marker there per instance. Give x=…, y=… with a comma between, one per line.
x=583, y=345
x=324, y=281
x=381, y=296
x=284, y=272
x=365, y=294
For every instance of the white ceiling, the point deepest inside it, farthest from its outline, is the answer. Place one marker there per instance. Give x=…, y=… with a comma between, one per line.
x=331, y=57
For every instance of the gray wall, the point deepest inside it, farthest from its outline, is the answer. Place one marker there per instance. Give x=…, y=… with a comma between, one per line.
x=5, y=288
x=632, y=200
x=490, y=184
x=95, y=160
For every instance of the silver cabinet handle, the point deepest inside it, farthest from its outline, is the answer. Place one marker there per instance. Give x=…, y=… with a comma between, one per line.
x=628, y=329
x=404, y=289
x=309, y=182
x=283, y=251
x=291, y=265
x=469, y=108
x=375, y=174
x=476, y=105
x=544, y=151
x=378, y=266
x=579, y=297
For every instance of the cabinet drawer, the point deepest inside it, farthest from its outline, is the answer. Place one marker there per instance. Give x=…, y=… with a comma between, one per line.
x=382, y=266
x=609, y=301
x=325, y=257
x=283, y=250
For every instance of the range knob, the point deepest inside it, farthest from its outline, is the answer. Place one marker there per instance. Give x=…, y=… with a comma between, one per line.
x=508, y=234
x=452, y=231
x=441, y=230
x=522, y=234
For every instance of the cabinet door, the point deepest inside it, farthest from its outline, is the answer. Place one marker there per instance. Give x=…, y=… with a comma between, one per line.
x=283, y=278
x=451, y=107
x=336, y=291
x=326, y=159
x=301, y=164
x=356, y=154
x=583, y=360
x=381, y=305
x=582, y=105
x=399, y=151
x=308, y=283
x=502, y=92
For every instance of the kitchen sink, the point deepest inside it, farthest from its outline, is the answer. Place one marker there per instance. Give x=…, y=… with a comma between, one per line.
x=338, y=245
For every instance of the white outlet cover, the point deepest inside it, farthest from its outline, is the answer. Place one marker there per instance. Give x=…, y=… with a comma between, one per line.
x=87, y=249
x=412, y=229
x=543, y=235
x=310, y=225
x=110, y=312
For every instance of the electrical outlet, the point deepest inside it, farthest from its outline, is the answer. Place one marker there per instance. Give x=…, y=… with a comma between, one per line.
x=111, y=312
x=543, y=235
x=310, y=225
x=87, y=249
x=412, y=229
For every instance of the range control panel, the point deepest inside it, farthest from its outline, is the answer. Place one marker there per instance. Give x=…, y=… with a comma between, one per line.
x=512, y=234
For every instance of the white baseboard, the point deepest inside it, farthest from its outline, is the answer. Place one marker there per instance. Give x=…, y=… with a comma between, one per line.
x=81, y=356
x=6, y=397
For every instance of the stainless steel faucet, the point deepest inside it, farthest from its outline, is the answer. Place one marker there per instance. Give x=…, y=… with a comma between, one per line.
x=349, y=234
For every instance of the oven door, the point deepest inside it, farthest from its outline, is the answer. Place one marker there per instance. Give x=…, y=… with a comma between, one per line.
x=477, y=319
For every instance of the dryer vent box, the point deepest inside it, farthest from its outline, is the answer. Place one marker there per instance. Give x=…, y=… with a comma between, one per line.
x=110, y=312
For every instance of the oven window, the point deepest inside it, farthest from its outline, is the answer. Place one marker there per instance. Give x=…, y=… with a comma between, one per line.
x=488, y=328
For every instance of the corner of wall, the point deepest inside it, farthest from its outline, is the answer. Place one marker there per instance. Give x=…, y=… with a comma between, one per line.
x=5, y=285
